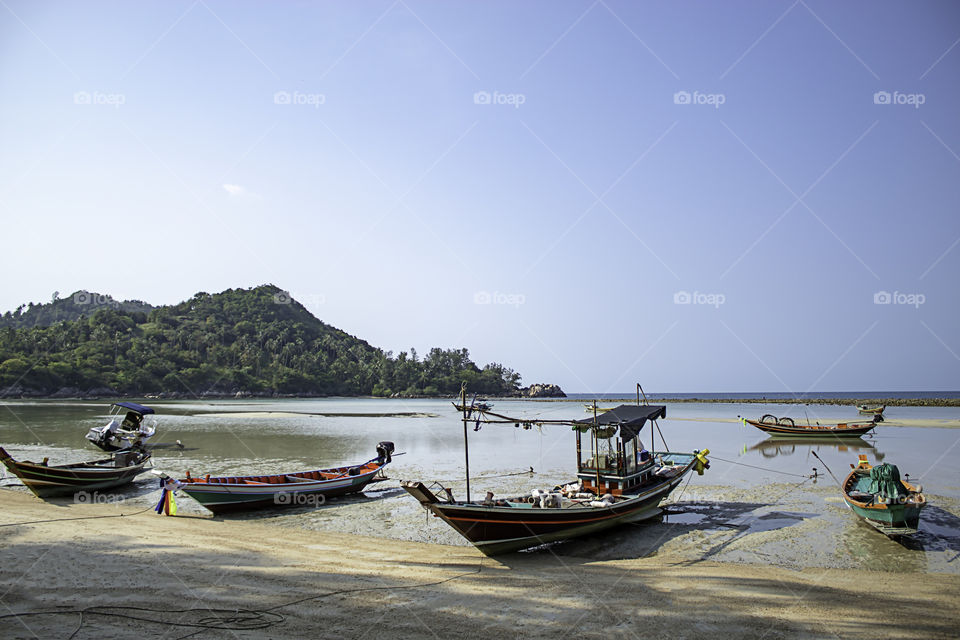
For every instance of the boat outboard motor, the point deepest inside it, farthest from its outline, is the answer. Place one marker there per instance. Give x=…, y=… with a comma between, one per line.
x=384, y=449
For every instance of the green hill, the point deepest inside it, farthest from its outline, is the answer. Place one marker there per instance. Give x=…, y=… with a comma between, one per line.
x=78, y=305
x=257, y=341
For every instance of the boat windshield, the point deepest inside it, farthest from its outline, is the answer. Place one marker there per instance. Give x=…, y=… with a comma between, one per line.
x=612, y=455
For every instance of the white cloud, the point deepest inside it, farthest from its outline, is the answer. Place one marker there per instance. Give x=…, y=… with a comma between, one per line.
x=235, y=190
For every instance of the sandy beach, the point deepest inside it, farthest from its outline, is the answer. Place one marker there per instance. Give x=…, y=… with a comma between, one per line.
x=188, y=574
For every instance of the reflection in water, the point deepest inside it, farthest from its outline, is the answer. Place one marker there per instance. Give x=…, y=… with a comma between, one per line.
x=873, y=550
x=773, y=447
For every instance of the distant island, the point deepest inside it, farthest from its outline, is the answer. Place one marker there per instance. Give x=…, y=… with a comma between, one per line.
x=256, y=342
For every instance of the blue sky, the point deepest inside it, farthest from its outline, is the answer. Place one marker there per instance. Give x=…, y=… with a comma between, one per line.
x=695, y=196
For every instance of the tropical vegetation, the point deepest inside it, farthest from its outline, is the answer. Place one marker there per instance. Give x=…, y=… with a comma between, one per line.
x=257, y=341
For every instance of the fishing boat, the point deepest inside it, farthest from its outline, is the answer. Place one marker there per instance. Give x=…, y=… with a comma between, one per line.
x=48, y=481
x=618, y=480
x=589, y=408
x=882, y=499
x=477, y=404
x=300, y=488
x=128, y=433
x=787, y=427
x=875, y=410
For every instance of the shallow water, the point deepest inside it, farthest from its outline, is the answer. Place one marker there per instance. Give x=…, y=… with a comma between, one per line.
x=755, y=504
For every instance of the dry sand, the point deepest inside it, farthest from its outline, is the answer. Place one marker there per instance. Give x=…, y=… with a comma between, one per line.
x=351, y=586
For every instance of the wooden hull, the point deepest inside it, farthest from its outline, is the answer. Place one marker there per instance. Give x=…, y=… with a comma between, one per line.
x=841, y=430
x=502, y=529
x=896, y=518
x=66, y=480
x=302, y=488
x=871, y=411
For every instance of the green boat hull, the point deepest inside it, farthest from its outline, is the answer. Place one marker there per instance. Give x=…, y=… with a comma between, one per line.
x=892, y=517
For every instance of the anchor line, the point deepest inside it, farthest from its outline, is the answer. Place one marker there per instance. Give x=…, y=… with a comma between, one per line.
x=786, y=473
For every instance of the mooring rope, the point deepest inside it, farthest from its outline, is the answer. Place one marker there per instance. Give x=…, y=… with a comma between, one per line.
x=744, y=464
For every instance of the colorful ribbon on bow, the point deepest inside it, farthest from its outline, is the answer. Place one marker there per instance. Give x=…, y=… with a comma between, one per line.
x=167, y=504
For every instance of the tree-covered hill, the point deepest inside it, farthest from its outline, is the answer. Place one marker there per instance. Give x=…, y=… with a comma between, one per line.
x=81, y=303
x=257, y=341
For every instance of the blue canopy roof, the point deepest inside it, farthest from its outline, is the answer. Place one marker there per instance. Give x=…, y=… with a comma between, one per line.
x=136, y=408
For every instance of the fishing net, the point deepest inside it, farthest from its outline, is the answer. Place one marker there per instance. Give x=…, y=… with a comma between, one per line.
x=885, y=481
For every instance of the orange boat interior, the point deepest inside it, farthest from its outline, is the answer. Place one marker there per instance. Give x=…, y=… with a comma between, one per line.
x=287, y=478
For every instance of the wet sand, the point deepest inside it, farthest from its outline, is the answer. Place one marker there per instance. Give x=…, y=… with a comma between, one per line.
x=321, y=584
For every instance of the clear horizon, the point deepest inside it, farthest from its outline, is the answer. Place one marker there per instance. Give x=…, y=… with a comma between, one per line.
x=706, y=196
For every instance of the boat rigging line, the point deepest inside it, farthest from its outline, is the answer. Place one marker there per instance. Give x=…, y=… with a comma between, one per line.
x=112, y=515
x=812, y=476
x=826, y=467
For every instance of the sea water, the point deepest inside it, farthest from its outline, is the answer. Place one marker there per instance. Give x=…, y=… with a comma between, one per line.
x=757, y=502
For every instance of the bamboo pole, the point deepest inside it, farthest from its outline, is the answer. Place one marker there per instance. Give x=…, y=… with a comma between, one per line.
x=466, y=443
x=596, y=448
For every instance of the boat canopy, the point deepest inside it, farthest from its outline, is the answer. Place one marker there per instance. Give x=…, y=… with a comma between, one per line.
x=629, y=418
x=136, y=408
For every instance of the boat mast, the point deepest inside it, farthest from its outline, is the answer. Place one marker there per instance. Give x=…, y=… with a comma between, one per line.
x=466, y=444
x=662, y=439
x=595, y=445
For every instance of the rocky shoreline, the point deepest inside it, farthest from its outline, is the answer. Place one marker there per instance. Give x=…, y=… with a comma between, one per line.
x=538, y=392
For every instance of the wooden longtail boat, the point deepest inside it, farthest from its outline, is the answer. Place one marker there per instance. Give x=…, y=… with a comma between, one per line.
x=786, y=427
x=616, y=482
x=589, y=408
x=875, y=410
x=301, y=488
x=68, y=479
x=882, y=499
x=477, y=404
